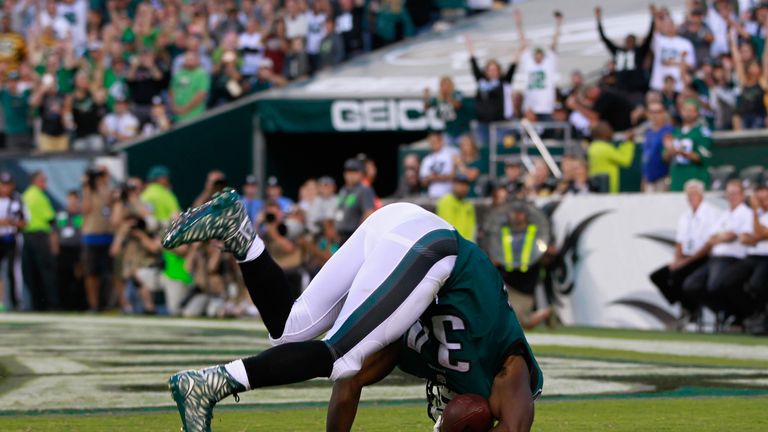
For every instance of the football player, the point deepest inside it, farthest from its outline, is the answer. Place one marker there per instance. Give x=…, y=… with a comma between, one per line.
x=405, y=281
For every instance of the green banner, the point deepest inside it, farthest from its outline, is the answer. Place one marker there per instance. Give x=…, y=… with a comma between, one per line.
x=346, y=115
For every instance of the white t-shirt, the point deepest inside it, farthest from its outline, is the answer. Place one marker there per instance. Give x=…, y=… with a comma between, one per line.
x=315, y=32
x=719, y=27
x=296, y=27
x=253, y=52
x=738, y=220
x=438, y=163
x=695, y=229
x=480, y=4
x=10, y=208
x=670, y=48
x=540, y=82
x=126, y=125
x=761, y=248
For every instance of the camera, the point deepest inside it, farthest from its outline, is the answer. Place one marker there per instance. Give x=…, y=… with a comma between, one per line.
x=270, y=218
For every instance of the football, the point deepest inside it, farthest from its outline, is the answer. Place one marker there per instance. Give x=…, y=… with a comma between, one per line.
x=467, y=413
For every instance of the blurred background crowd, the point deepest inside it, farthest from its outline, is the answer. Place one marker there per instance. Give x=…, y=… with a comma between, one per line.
x=85, y=75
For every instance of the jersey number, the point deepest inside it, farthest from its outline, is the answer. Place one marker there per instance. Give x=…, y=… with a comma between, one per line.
x=418, y=336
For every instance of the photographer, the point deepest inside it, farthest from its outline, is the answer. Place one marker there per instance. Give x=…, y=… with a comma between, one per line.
x=11, y=221
x=96, y=236
x=215, y=182
x=281, y=244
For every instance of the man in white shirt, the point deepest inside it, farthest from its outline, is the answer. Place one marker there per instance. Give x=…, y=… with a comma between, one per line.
x=757, y=251
x=296, y=22
x=120, y=125
x=669, y=51
x=250, y=44
x=720, y=284
x=437, y=168
x=539, y=68
x=694, y=229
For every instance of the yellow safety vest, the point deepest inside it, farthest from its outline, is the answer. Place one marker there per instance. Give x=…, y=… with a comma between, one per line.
x=509, y=254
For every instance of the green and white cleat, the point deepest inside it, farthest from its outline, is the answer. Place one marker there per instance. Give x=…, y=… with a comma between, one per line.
x=196, y=393
x=222, y=218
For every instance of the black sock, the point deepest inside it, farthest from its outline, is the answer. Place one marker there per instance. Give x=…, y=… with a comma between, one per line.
x=269, y=292
x=289, y=363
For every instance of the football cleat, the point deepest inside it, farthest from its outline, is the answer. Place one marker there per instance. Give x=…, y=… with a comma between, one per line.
x=222, y=218
x=196, y=393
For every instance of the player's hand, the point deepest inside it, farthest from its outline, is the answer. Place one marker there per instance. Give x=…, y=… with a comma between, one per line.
x=517, y=15
x=598, y=12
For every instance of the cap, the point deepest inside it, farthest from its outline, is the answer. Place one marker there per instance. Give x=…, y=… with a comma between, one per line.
x=6, y=177
x=158, y=171
x=513, y=161
x=157, y=100
x=461, y=178
x=272, y=181
x=251, y=180
x=353, y=164
x=326, y=180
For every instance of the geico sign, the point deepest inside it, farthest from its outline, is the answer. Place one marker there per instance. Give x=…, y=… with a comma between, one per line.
x=382, y=115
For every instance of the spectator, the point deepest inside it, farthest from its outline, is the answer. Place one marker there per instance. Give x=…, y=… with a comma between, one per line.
x=215, y=182
x=323, y=247
x=492, y=101
x=282, y=246
x=331, y=51
x=85, y=108
x=11, y=221
x=607, y=159
x=757, y=258
x=580, y=183
x=38, y=259
x=694, y=229
x=540, y=74
x=629, y=59
x=96, y=237
x=688, y=149
x=437, y=168
x=669, y=97
x=655, y=168
x=158, y=118
x=251, y=46
x=355, y=202
x=69, y=223
x=296, y=61
x=514, y=177
x=696, y=30
x=671, y=53
x=449, y=107
x=265, y=79
x=349, y=24
x=275, y=193
x=175, y=280
x=719, y=284
x=15, y=104
x=409, y=184
x=307, y=195
x=158, y=195
x=14, y=46
x=719, y=14
x=296, y=20
x=604, y=104
x=250, y=199
x=753, y=82
x=276, y=45
x=189, y=88
x=468, y=164
x=393, y=23
x=316, y=31
x=145, y=82
x=457, y=210
x=121, y=125
x=53, y=136
x=324, y=206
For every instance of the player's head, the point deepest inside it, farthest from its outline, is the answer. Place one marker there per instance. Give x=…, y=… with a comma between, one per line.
x=353, y=171
x=734, y=193
x=694, y=190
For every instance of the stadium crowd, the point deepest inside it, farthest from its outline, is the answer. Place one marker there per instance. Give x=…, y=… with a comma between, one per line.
x=83, y=75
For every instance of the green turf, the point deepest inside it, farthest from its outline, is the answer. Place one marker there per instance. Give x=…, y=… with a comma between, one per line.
x=655, y=335
x=701, y=415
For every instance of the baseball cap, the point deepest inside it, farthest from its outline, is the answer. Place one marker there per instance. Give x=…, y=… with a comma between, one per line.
x=326, y=180
x=158, y=171
x=6, y=177
x=272, y=181
x=513, y=161
x=353, y=164
x=251, y=180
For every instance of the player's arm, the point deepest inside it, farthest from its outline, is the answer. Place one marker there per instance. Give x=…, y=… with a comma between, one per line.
x=346, y=393
x=511, y=400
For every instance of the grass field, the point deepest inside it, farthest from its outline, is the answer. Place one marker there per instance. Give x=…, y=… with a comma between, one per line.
x=85, y=373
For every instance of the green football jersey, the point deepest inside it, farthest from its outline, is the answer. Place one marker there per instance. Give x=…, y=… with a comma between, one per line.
x=463, y=338
x=697, y=139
